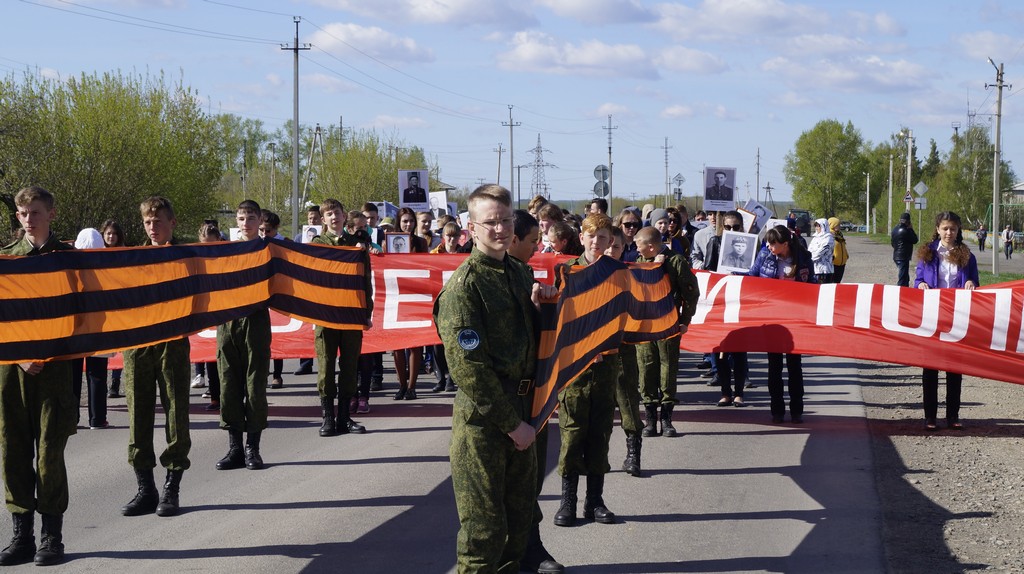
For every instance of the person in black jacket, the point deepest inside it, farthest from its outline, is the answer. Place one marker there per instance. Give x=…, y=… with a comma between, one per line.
x=903, y=239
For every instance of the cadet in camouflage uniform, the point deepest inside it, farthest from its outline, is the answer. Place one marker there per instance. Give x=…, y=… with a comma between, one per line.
x=38, y=412
x=164, y=366
x=485, y=318
x=345, y=344
x=243, y=361
x=627, y=388
x=586, y=408
x=658, y=362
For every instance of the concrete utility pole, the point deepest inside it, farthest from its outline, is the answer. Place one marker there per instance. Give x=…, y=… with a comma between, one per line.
x=273, y=171
x=996, y=230
x=499, y=151
x=867, y=204
x=910, y=163
x=889, y=222
x=611, y=170
x=668, y=189
x=511, y=149
x=295, y=126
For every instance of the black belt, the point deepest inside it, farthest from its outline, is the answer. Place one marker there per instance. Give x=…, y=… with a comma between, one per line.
x=519, y=387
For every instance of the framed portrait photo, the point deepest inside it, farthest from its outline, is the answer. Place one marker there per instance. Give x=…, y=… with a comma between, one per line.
x=719, y=188
x=311, y=231
x=397, y=243
x=737, y=252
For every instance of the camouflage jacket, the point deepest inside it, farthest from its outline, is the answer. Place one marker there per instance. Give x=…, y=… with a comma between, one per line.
x=348, y=240
x=685, y=289
x=486, y=321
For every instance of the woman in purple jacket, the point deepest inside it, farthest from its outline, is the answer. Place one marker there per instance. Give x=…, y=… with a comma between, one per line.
x=945, y=262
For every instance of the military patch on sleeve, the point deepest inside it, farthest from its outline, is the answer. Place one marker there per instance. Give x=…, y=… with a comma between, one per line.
x=468, y=339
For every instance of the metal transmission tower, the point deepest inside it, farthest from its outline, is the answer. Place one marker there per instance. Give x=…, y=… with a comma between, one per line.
x=538, y=186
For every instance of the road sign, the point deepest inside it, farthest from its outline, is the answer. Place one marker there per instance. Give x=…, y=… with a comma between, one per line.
x=908, y=197
x=601, y=172
x=920, y=188
x=921, y=203
x=601, y=189
x=679, y=180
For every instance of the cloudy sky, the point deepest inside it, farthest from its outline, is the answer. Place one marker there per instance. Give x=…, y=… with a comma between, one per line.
x=719, y=79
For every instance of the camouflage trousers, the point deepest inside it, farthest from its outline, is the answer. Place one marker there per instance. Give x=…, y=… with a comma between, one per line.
x=37, y=415
x=586, y=414
x=329, y=343
x=658, y=364
x=627, y=391
x=243, y=360
x=495, y=495
x=163, y=367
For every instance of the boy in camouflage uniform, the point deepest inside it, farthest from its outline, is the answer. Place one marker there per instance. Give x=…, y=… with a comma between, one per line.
x=38, y=412
x=163, y=366
x=243, y=360
x=345, y=344
x=586, y=408
x=486, y=320
x=659, y=361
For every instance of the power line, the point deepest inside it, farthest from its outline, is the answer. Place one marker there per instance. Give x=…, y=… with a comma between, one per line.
x=152, y=24
x=229, y=5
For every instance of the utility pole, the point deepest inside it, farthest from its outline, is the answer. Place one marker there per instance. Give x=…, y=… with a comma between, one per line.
x=511, y=149
x=295, y=124
x=889, y=222
x=867, y=204
x=668, y=190
x=757, y=179
x=273, y=171
x=611, y=170
x=500, y=149
x=996, y=230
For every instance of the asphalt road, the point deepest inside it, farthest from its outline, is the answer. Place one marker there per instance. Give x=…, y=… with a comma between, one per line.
x=734, y=493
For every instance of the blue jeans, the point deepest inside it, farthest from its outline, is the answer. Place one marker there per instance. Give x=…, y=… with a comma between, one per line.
x=903, y=273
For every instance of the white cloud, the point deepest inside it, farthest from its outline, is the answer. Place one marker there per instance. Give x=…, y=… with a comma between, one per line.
x=600, y=11
x=49, y=73
x=274, y=80
x=370, y=40
x=793, y=99
x=986, y=44
x=677, y=111
x=880, y=24
x=858, y=74
x=617, y=110
x=502, y=13
x=823, y=45
x=538, y=52
x=326, y=83
x=723, y=113
x=682, y=59
x=738, y=20
x=393, y=122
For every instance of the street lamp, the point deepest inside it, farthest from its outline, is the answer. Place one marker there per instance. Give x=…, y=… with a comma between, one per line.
x=995, y=166
x=909, y=134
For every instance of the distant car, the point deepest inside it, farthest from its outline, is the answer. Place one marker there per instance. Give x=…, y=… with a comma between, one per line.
x=846, y=226
x=862, y=229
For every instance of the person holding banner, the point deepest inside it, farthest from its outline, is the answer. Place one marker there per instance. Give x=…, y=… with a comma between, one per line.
x=486, y=317
x=784, y=257
x=945, y=262
x=409, y=361
x=586, y=407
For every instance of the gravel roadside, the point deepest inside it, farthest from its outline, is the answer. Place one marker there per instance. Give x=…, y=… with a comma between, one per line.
x=952, y=502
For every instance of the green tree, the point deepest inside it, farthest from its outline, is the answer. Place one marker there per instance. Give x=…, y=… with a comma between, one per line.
x=826, y=169
x=965, y=182
x=102, y=144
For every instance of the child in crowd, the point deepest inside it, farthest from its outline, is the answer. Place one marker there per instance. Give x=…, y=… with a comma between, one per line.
x=343, y=344
x=243, y=359
x=34, y=416
x=161, y=369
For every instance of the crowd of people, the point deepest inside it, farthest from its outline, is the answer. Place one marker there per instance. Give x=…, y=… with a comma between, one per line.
x=487, y=354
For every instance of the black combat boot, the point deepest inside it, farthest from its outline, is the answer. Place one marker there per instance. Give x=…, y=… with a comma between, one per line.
x=666, y=421
x=169, y=500
x=593, y=506
x=146, y=498
x=235, y=458
x=51, y=542
x=253, y=460
x=328, y=428
x=632, y=463
x=345, y=423
x=537, y=558
x=23, y=544
x=651, y=422
x=566, y=515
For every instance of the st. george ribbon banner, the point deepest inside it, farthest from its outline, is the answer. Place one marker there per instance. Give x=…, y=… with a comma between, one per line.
x=76, y=303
